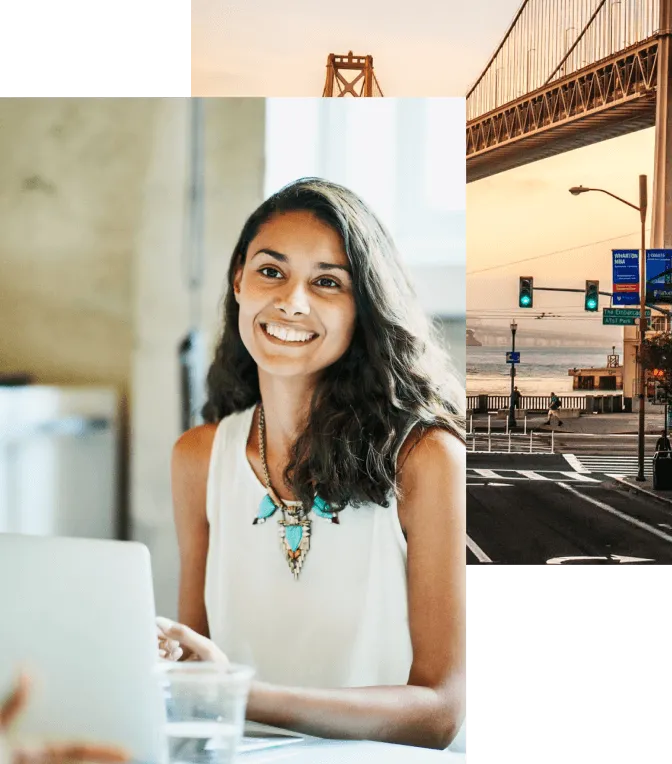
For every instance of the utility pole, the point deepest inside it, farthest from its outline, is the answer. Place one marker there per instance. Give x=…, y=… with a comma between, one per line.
x=512, y=413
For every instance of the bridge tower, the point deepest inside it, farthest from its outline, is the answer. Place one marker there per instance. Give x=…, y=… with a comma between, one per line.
x=661, y=199
x=339, y=84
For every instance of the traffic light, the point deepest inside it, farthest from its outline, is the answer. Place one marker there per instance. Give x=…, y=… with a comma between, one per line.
x=526, y=292
x=592, y=297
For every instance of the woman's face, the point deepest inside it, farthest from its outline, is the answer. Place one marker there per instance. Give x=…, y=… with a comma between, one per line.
x=297, y=309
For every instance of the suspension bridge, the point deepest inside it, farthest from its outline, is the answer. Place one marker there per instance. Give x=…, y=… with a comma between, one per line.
x=569, y=73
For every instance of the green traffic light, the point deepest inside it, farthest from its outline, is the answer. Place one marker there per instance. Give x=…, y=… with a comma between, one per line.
x=525, y=291
x=592, y=301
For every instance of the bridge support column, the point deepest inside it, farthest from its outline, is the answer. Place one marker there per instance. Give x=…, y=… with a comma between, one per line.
x=661, y=213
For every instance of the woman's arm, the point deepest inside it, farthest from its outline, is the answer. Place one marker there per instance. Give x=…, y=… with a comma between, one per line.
x=189, y=477
x=429, y=710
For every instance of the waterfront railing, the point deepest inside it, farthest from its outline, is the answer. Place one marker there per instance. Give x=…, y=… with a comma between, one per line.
x=589, y=403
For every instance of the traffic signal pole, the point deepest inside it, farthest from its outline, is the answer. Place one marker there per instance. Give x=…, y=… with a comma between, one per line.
x=642, y=329
x=558, y=289
x=512, y=413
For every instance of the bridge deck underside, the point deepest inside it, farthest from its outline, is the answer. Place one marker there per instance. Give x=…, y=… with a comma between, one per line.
x=612, y=97
x=617, y=120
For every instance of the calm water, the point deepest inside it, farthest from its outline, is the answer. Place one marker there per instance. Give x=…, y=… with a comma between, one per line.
x=541, y=370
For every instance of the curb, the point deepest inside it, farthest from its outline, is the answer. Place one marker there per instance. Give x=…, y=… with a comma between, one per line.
x=638, y=489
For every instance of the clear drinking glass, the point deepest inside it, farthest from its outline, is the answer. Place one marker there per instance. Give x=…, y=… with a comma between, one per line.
x=205, y=710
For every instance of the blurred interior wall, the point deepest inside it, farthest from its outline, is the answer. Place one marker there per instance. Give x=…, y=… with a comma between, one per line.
x=72, y=179
x=93, y=198
x=234, y=182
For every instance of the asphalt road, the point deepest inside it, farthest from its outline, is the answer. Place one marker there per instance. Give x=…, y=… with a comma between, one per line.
x=533, y=509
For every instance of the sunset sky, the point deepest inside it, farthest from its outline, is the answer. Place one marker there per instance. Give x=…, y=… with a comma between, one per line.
x=527, y=212
x=259, y=47
x=268, y=48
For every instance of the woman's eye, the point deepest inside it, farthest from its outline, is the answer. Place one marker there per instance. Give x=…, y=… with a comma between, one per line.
x=330, y=282
x=274, y=272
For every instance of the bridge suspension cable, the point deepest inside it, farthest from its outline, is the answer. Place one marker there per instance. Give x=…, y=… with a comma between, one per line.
x=552, y=39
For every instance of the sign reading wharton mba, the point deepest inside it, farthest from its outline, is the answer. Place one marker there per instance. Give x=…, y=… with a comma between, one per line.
x=626, y=277
x=659, y=276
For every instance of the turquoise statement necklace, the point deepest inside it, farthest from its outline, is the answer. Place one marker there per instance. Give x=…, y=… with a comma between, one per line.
x=294, y=521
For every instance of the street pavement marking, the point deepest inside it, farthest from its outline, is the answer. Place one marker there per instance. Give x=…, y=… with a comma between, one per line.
x=612, y=463
x=622, y=515
x=618, y=557
x=580, y=477
x=497, y=485
x=574, y=463
x=487, y=473
x=532, y=475
x=476, y=550
x=503, y=474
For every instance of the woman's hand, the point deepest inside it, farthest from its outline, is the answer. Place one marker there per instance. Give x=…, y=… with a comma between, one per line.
x=176, y=637
x=169, y=649
x=62, y=753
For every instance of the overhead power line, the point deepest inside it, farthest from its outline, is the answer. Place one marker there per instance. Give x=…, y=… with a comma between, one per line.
x=550, y=254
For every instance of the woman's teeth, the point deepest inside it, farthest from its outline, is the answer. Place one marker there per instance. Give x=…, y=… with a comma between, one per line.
x=288, y=335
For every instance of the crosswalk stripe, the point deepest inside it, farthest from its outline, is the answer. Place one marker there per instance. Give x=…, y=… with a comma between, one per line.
x=486, y=473
x=613, y=464
x=580, y=477
x=546, y=476
x=532, y=475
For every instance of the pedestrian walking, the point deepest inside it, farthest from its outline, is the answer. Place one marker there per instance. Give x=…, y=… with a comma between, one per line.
x=516, y=398
x=663, y=442
x=553, y=409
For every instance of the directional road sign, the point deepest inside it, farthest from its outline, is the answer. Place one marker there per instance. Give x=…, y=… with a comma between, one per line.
x=622, y=316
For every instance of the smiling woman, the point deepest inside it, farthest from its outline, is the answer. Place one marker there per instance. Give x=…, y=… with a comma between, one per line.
x=294, y=299
x=333, y=411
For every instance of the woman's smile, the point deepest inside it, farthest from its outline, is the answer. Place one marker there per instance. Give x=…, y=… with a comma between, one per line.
x=281, y=334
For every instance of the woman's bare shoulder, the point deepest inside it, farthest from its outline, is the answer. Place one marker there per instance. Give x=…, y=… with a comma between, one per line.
x=189, y=475
x=436, y=444
x=192, y=449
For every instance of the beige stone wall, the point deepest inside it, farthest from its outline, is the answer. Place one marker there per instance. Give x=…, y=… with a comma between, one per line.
x=71, y=180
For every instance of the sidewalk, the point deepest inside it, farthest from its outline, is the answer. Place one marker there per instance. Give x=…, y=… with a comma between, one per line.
x=646, y=488
x=597, y=424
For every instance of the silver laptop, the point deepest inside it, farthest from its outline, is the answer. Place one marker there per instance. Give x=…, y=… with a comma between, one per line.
x=79, y=615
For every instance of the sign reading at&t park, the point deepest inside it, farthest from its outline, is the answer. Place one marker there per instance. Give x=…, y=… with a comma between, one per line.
x=626, y=276
x=622, y=316
x=659, y=276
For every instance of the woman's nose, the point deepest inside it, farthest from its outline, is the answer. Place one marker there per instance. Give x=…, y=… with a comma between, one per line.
x=293, y=300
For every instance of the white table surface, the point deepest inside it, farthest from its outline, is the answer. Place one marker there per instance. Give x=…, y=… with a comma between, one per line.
x=349, y=752
x=312, y=750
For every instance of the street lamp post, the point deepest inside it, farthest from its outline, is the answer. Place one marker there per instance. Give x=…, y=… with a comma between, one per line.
x=512, y=413
x=641, y=386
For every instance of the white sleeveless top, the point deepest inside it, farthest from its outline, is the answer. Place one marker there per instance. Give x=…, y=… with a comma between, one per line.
x=343, y=623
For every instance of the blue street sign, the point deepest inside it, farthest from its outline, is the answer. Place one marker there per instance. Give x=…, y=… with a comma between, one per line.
x=659, y=276
x=626, y=276
x=512, y=357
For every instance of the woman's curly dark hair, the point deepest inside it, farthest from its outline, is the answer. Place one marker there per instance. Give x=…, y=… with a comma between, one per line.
x=394, y=376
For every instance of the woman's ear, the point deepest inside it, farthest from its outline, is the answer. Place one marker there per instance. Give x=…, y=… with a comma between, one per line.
x=237, y=278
